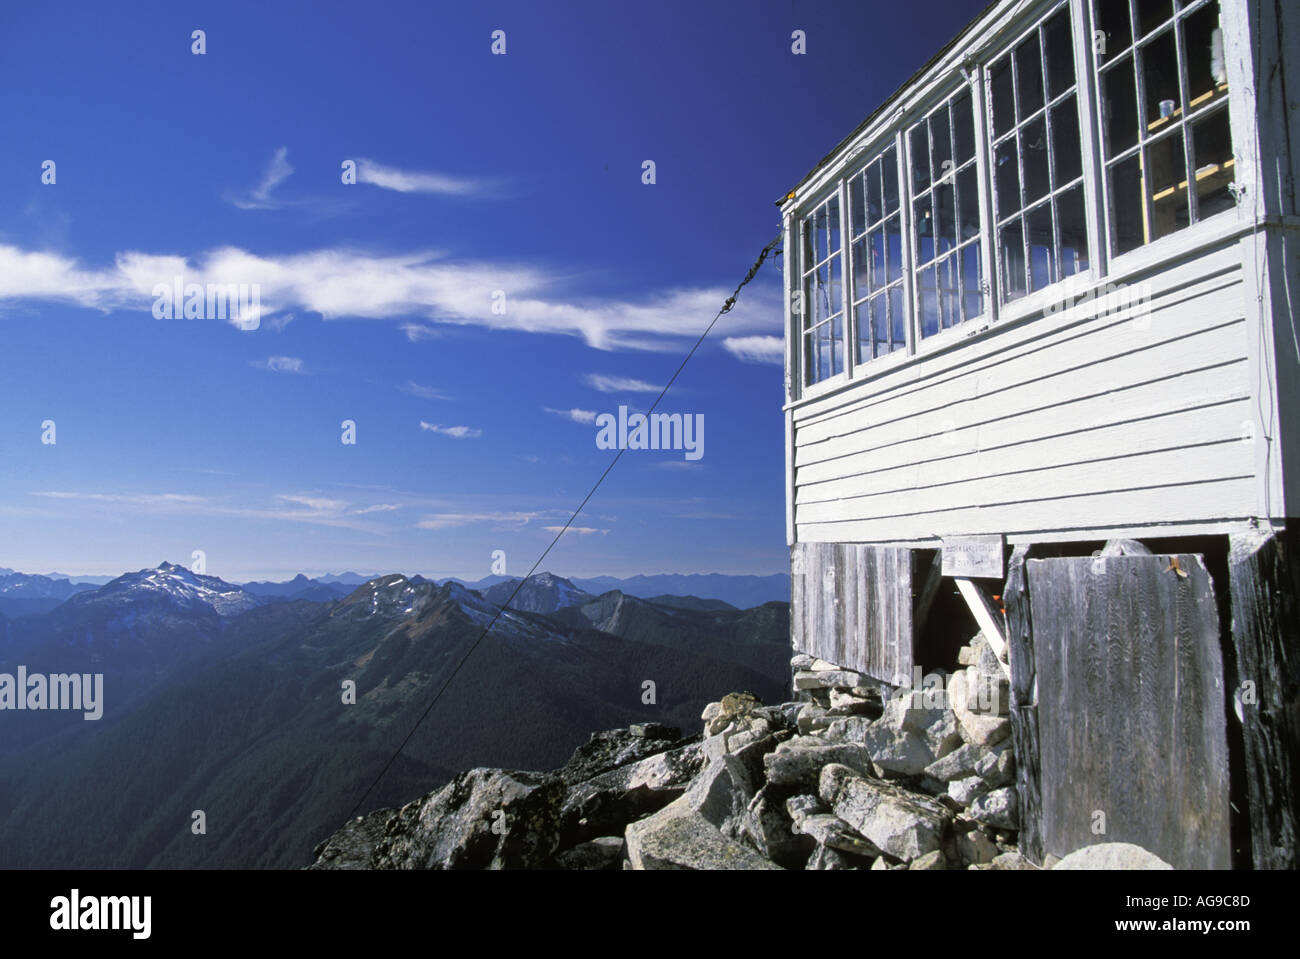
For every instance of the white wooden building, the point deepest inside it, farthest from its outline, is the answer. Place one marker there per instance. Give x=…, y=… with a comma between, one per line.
x=1043, y=299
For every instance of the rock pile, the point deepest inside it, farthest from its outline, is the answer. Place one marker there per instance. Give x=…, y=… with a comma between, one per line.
x=852, y=775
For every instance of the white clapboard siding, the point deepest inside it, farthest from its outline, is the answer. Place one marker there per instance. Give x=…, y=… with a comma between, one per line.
x=1088, y=516
x=1202, y=390
x=1217, y=424
x=1068, y=422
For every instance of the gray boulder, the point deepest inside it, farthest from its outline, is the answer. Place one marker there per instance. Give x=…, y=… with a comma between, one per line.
x=999, y=808
x=1112, y=855
x=677, y=837
x=901, y=823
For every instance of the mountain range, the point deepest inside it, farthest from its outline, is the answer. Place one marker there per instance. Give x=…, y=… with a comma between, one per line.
x=237, y=701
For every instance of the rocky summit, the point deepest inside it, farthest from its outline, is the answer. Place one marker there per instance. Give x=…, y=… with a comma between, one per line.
x=851, y=775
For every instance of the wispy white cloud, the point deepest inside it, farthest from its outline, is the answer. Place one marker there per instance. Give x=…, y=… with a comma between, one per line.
x=277, y=171
x=340, y=282
x=756, y=349
x=126, y=499
x=280, y=364
x=417, y=332
x=455, y=432
x=576, y=530
x=416, y=181
x=316, y=502
x=585, y=417
x=619, y=384
x=412, y=388
x=290, y=507
x=450, y=520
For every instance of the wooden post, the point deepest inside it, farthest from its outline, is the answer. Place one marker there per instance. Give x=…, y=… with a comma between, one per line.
x=1264, y=580
x=1024, y=705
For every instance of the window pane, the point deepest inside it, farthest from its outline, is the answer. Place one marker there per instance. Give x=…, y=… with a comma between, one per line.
x=920, y=147
x=1119, y=107
x=971, y=281
x=968, y=204
x=1060, y=53
x=1042, y=248
x=949, y=293
x=1167, y=167
x=819, y=234
x=1203, y=48
x=889, y=170
x=897, y=321
x=1126, y=204
x=963, y=128
x=819, y=297
x=835, y=290
x=1003, y=97
x=862, y=278
x=1160, y=80
x=1112, y=21
x=945, y=203
x=924, y=220
x=810, y=358
x=837, y=344
x=856, y=223
x=876, y=251
x=833, y=223
x=1072, y=221
x=1033, y=147
x=1067, y=153
x=1011, y=242
x=880, y=324
x=1152, y=13
x=823, y=351
x=940, y=145
x=1007, y=178
x=928, y=297
x=893, y=249
x=1212, y=149
x=873, y=193
x=806, y=243
x=1029, y=76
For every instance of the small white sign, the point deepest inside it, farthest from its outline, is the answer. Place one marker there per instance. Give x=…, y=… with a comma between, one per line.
x=974, y=557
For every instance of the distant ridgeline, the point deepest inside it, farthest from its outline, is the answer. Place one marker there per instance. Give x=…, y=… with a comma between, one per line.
x=271, y=713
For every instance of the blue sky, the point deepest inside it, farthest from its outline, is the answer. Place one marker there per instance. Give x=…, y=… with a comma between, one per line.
x=478, y=172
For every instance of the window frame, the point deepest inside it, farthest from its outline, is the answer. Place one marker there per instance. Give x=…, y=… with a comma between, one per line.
x=1051, y=104
x=1182, y=127
x=914, y=267
x=869, y=227
x=834, y=192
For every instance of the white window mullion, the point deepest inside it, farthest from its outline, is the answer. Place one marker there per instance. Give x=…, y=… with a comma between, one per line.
x=1088, y=91
x=846, y=278
x=980, y=89
x=908, y=244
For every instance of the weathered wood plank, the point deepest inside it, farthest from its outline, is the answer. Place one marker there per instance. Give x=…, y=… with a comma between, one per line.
x=1024, y=705
x=852, y=606
x=1130, y=706
x=1264, y=579
x=930, y=581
